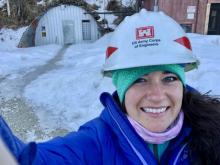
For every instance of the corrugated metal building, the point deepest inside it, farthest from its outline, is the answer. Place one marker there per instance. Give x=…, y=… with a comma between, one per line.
x=62, y=24
x=198, y=16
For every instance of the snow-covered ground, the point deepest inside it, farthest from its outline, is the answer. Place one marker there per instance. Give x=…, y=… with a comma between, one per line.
x=10, y=38
x=63, y=91
x=2, y=3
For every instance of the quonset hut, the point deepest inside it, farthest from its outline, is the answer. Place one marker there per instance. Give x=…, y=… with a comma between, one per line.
x=61, y=24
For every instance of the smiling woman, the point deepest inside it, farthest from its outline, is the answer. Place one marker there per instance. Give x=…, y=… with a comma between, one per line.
x=152, y=118
x=154, y=93
x=155, y=97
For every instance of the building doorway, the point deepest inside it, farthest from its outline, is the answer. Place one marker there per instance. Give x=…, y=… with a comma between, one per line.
x=68, y=31
x=86, y=29
x=214, y=19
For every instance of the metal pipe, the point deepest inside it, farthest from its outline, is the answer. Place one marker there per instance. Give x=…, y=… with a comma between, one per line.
x=156, y=7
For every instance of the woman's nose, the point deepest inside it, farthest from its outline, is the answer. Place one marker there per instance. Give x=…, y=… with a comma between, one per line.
x=155, y=92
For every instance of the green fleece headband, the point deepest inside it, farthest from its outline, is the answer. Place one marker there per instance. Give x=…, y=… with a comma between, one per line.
x=124, y=78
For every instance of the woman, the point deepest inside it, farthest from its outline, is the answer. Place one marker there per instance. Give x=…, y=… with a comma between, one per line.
x=152, y=118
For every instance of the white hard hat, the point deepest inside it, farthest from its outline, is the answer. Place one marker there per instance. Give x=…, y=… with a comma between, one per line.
x=148, y=38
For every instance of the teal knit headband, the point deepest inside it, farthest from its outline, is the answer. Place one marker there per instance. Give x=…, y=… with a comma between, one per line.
x=124, y=78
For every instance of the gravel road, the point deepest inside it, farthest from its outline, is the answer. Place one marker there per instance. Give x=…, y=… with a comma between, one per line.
x=19, y=114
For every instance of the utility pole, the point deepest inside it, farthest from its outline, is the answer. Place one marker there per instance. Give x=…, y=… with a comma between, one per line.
x=8, y=8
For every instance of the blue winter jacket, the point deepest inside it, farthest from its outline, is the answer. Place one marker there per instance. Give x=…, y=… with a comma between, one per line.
x=109, y=139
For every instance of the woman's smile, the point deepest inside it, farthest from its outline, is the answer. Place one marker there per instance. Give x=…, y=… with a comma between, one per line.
x=154, y=110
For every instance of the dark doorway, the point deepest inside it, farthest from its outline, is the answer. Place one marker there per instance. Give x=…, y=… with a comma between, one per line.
x=214, y=19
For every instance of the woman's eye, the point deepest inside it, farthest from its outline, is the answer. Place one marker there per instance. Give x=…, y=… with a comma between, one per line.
x=170, y=79
x=140, y=80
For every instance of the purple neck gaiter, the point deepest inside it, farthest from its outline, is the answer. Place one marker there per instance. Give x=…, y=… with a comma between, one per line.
x=159, y=138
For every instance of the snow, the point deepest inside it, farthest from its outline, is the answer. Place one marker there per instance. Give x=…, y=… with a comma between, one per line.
x=207, y=49
x=2, y=3
x=67, y=94
x=22, y=61
x=9, y=38
x=79, y=82
x=102, y=8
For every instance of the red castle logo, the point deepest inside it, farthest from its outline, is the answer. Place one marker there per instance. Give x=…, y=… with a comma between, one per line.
x=145, y=32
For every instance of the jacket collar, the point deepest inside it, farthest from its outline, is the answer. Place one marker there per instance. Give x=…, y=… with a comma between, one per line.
x=128, y=139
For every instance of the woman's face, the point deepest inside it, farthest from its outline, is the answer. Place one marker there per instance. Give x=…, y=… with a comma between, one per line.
x=155, y=100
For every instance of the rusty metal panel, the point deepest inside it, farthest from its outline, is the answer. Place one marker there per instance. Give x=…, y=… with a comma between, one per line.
x=213, y=1
x=194, y=13
x=178, y=8
x=187, y=12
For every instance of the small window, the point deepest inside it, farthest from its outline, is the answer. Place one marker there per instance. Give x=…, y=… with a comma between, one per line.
x=43, y=31
x=43, y=28
x=86, y=29
x=43, y=34
x=187, y=27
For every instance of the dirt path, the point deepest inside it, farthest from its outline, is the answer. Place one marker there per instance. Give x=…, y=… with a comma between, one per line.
x=14, y=108
x=50, y=65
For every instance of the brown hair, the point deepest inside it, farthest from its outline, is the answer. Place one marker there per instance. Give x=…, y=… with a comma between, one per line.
x=202, y=113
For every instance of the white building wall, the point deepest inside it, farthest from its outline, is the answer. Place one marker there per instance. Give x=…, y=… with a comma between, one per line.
x=53, y=23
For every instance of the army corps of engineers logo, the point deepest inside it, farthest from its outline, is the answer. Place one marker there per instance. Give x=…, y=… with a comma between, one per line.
x=145, y=32
x=145, y=37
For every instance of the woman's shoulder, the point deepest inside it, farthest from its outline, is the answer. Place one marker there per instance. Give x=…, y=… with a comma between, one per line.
x=71, y=147
x=95, y=127
x=91, y=133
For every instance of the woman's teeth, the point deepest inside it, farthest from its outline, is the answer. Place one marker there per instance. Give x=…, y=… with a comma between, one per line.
x=154, y=110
